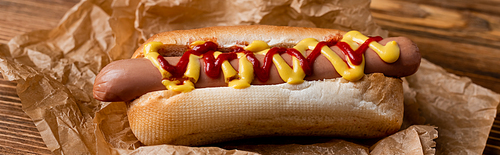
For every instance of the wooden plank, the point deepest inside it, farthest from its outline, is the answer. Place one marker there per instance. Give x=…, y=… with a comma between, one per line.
x=18, y=134
x=20, y=16
x=461, y=36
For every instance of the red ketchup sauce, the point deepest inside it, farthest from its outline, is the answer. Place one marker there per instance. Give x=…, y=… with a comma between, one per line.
x=213, y=65
x=356, y=56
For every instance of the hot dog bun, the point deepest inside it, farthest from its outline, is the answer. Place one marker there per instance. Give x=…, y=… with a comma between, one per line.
x=369, y=108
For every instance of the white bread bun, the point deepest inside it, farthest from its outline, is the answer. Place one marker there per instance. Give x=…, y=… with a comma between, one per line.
x=369, y=108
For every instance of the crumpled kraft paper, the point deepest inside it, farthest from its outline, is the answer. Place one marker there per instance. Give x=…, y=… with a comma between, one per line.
x=462, y=110
x=55, y=70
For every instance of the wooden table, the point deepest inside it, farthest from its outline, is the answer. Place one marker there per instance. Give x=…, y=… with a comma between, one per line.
x=18, y=134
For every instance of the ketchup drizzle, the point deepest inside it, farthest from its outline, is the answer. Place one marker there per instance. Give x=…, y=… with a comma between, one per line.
x=213, y=65
x=356, y=56
x=178, y=70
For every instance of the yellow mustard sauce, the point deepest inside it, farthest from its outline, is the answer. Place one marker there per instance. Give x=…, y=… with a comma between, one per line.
x=388, y=53
x=245, y=73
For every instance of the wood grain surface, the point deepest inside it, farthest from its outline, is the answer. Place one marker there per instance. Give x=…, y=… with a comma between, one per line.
x=18, y=134
x=462, y=36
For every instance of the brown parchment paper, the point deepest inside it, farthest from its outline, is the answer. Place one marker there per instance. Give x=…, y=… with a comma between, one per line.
x=55, y=70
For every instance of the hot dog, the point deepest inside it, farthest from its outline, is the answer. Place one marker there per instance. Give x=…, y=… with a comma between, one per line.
x=126, y=80
x=141, y=76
